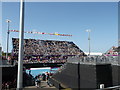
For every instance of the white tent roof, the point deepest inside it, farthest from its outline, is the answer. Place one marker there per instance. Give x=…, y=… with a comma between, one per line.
x=94, y=53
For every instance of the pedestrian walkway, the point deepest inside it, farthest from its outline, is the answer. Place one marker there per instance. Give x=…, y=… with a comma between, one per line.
x=43, y=85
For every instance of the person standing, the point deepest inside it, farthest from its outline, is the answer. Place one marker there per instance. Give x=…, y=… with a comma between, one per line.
x=38, y=82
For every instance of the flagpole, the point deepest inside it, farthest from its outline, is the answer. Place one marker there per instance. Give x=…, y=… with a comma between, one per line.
x=8, y=21
x=21, y=38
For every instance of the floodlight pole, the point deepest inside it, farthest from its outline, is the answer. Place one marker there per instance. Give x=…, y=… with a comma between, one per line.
x=8, y=21
x=21, y=38
x=89, y=39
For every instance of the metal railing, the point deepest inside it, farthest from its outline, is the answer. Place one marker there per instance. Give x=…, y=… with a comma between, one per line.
x=95, y=60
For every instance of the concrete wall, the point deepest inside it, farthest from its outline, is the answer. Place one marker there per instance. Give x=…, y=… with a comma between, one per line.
x=75, y=76
x=85, y=76
x=104, y=75
x=69, y=76
x=116, y=75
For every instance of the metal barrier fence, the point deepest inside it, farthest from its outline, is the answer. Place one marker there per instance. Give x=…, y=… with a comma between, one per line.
x=95, y=60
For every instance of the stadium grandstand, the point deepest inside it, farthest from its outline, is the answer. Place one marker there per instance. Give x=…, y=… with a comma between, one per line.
x=42, y=51
x=113, y=51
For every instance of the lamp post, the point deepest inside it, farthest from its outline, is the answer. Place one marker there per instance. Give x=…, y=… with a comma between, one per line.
x=8, y=22
x=89, y=39
x=21, y=38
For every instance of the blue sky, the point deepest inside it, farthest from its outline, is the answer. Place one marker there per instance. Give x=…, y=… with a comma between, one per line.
x=67, y=18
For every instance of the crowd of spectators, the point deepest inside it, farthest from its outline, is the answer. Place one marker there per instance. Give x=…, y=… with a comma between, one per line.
x=45, y=50
x=113, y=51
x=43, y=77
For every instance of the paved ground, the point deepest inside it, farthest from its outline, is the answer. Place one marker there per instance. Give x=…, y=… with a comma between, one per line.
x=45, y=85
x=42, y=86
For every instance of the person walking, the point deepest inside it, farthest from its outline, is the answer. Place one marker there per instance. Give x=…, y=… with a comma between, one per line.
x=38, y=82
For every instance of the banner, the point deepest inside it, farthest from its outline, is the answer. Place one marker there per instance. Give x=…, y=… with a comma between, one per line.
x=32, y=32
